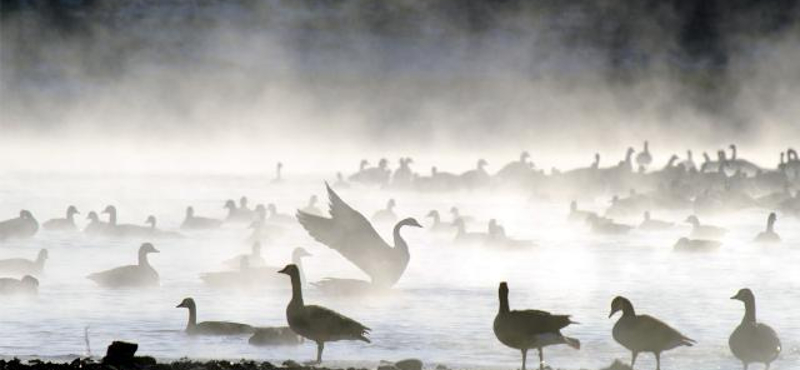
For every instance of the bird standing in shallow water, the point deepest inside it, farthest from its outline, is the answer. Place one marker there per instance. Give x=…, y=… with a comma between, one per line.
x=529, y=329
x=318, y=323
x=753, y=341
x=643, y=333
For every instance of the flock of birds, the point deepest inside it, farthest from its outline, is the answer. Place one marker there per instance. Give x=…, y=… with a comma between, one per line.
x=727, y=184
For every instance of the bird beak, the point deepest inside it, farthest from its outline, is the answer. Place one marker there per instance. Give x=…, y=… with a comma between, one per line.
x=283, y=271
x=156, y=250
x=180, y=305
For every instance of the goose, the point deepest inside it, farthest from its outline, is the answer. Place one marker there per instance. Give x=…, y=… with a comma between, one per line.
x=438, y=226
x=311, y=207
x=192, y=222
x=498, y=238
x=373, y=175
x=95, y=226
x=643, y=159
x=517, y=170
x=606, y=226
x=387, y=214
x=278, y=179
x=317, y=323
x=769, y=235
x=752, y=341
x=742, y=164
x=442, y=181
x=28, y=285
x=348, y=232
x=156, y=232
x=139, y=275
x=652, y=224
x=254, y=259
x=21, y=266
x=274, y=336
x=688, y=164
x=263, y=232
x=576, y=215
x=63, y=224
x=643, y=333
x=22, y=227
x=696, y=245
x=477, y=177
x=704, y=231
x=403, y=176
x=341, y=183
x=123, y=230
x=211, y=327
x=248, y=276
x=529, y=329
x=455, y=213
x=279, y=218
x=468, y=238
x=238, y=214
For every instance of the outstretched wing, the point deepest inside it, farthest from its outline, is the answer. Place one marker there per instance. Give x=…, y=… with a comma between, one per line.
x=349, y=233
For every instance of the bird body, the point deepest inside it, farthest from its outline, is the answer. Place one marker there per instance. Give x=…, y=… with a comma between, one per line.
x=22, y=227
x=696, y=245
x=387, y=214
x=21, y=266
x=752, y=341
x=63, y=224
x=211, y=327
x=28, y=285
x=652, y=224
x=139, y=275
x=192, y=222
x=606, y=226
x=704, y=231
x=318, y=323
x=274, y=336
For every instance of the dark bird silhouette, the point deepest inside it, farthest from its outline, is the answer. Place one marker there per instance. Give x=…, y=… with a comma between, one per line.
x=769, y=235
x=63, y=224
x=752, y=341
x=211, y=327
x=318, y=323
x=530, y=329
x=139, y=275
x=22, y=227
x=643, y=333
x=348, y=232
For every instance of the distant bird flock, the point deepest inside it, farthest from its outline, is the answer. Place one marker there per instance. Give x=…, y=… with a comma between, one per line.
x=634, y=185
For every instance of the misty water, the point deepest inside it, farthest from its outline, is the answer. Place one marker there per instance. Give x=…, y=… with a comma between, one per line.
x=442, y=309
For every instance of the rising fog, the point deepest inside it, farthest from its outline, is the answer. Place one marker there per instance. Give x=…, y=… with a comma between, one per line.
x=227, y=86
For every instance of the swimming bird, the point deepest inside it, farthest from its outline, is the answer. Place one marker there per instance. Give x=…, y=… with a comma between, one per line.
x=468, y=238
x=192, y=222
x=211, y=327
x=752, y=341
x=139, y=275
x=644, y=158
x=455, y=213
x=643, y=333
x=606, y=226
x=123, y=230
x=348, y=232
x=652, y=224
x=318, y=323
x=28, y=285
x=158, y=233
x=274, y=336
x=278, y=218
x=576, y=215
x=247, y=276
x=403, y=177
x=22, y=227
x=238, y=214
x=21, y=266
x=769, y=235
x=387, y=214
x=498, y=238
x=704, y=231
x=477, y=177
x=95, y=226
x=254, y=258
x=311, y=207
x=63, y=224
x=438, y=225
x=529, y=329
x=696, y=245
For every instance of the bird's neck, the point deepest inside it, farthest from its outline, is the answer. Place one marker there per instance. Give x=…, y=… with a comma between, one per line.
x=299, y=263
x=399, y=243
x=770, y=225
x=143, y=259
x=71, y=217
x=749, y=311
x=192, y=317
x=112, y=218
x=504, y=303
x=436, y=219
x=297, y=291
x=40, y=260
x=628, y=311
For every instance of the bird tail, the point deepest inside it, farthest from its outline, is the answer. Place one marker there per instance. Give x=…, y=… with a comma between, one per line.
x=572, y=342
x=686, y=341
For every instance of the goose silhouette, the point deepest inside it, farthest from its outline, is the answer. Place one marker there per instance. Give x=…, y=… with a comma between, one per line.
x=348, y=232
x=95, y=226
x=211, y=327
x=133, y=276
x=193, y=222
x=63, y=224
x=752, y=341
x=22, y=227
x=387, y=214
x=21, y=266
x=317, y=323
x=28, y=285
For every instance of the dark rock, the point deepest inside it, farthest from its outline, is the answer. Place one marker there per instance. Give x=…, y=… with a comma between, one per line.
x=291, y=364
x=409, y=364
x=618, y=365
x=388, y=367
x=120, y=353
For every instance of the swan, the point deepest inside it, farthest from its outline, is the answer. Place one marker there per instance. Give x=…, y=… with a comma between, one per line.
x=769, y=235
x=387, y=214
x=156, y=232
x=318, y=323
x=22, y=227
x=95, y=226
x=468, y=238
x=652, y=224
x=752, y=341
x=529, y=329
x=605, y=226
x=696, y=245
x=254, y=259
x=21, y=266
x=28, y=285
x=437, y=225
x=192, y=222
x=576, y=215
x=643, y=333
x=348, y=232
x=477, y=177
x=211, y=327
x=643, y=159
x=63, y=224
x=704, y=231
x=278, y=218
x=311, y=207
x=139, y=275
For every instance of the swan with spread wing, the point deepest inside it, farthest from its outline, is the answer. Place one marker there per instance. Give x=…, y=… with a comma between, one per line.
x=348, y=232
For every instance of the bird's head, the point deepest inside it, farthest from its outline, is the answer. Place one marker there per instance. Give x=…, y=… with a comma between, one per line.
x=619, y=303
x=110, y=209
x=186, y=303
x=410, y=222
x=72, y=210
x=148, y=248
x=744, y=295
x=291, y=270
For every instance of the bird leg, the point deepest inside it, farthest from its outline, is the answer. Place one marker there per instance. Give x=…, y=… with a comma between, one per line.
x=541, y=359
x=658, y=360
x=320, y=347
x=524, y=356
x=633, y=358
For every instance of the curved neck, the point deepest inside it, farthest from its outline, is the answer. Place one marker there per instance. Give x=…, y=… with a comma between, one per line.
x=192, y=317
x=504, y=302
x=436, y=219
x=143, y=259
x=71, y=217
x=112, y=217
x=771, y=225
x=297, y=291
x=40, y=260
x=399, y=242
x=749, y=311
x=298, y=261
